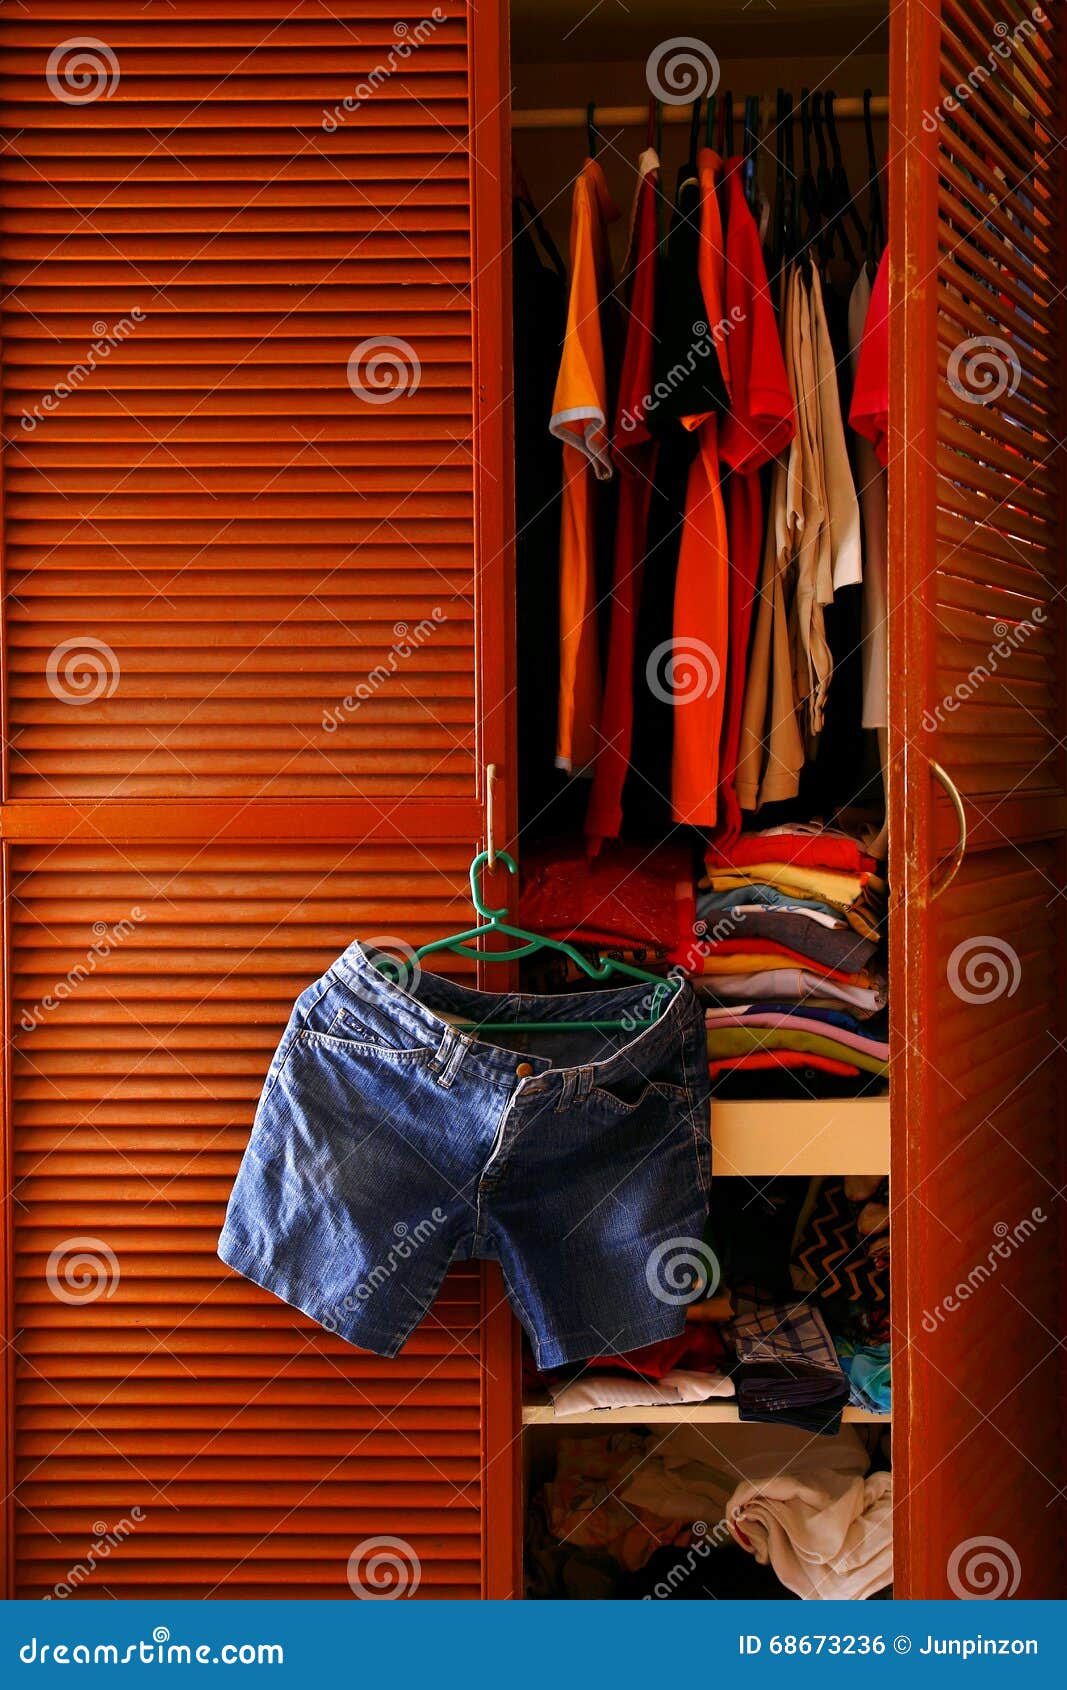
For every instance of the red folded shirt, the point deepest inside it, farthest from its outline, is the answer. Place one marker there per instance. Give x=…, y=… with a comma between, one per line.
x=625, y=894
x=700, y=1349
x=807, y=850
x=783, y=1059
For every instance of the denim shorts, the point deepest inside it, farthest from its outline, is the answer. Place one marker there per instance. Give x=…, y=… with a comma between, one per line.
x=389, y=1143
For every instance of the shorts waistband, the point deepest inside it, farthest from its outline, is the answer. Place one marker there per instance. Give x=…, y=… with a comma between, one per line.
x=433, y=1023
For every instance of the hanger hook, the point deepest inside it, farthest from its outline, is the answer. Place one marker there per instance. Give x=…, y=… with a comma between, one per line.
x=476, y=888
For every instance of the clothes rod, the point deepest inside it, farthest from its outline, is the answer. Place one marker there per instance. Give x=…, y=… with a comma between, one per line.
x=633, y=117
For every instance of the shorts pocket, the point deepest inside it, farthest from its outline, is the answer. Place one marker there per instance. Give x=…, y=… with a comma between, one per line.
x=347, y=1032
x=626, y=1098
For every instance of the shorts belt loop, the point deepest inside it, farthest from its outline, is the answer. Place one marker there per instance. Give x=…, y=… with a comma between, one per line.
x=576, y=1088
x=450, y=1053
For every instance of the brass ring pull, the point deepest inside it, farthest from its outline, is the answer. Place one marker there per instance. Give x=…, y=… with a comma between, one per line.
x=942, y=884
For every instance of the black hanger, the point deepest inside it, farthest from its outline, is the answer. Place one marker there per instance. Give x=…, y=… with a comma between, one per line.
x=709, y=121
x=726, y=125
x=876, y=235
x=823, y=184
x=694, y=135
x=844, y=208
x=523, y=200
x=784, y=239
x=591, y=131
x=751, y=143
x=808, y=193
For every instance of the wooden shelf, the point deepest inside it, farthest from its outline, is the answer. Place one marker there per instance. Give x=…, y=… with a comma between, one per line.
x=824, y=1136
x=722, y=1410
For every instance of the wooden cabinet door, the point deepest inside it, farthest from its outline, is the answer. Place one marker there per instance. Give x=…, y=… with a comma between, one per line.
x=978, y=574
x=255, y=630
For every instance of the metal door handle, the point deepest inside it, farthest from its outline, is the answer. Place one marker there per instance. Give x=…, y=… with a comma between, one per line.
x=942, y=884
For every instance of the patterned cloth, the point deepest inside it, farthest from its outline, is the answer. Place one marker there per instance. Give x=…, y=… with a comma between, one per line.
x=787, y=1367
x=842, y=1258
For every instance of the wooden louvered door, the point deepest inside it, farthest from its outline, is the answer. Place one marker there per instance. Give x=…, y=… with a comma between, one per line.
x=977, y=493
x=254, y=631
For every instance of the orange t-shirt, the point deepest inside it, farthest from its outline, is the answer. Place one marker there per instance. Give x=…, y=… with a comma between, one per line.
x=702, y=585
x=579, y=419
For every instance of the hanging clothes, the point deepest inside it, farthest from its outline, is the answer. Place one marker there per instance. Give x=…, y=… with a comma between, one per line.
x=684, y=385
x=870, y=398
x=539, y=298
x=634, y=450
x=771, y=751
x=580, y=408
x=758, y=426
x=701, y=591
x=871, y=479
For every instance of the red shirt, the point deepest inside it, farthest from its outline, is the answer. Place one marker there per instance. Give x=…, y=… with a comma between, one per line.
x=634, y=452
x=758, y=426
x=869, y=415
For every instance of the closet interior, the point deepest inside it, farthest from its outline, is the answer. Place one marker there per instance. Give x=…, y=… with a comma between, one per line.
x=702, y=708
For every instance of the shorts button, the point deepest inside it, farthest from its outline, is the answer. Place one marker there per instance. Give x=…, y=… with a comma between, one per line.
x=523, y=1071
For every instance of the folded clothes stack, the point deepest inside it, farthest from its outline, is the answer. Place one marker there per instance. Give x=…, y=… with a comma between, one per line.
x=629, y=904
x=787, y=1368
x=790, y=922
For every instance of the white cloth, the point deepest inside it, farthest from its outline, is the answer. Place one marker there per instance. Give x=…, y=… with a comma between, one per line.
x=697, y=1468
x=871, y=478
x=828, y=1535
x=629, y=1390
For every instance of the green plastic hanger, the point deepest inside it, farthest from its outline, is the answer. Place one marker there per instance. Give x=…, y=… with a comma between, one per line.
x=599, y=969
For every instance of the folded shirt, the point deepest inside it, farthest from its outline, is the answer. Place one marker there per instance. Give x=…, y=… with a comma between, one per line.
x=849, y=958
x=630, y=1390
x=867, y=1368
x=743, y=1041
x=793, y=842
x=818, y=1021
x=807, y=1061
x=627, y=893
x=801, y=983
x=759, y=892
x=787, y=1366
x=861, y=898
x=807, y=934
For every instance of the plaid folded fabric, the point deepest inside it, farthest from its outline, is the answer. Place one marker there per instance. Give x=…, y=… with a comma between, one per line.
x=787, y=1367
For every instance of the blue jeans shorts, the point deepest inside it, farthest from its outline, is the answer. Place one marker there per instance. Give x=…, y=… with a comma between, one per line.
x=388, y=1143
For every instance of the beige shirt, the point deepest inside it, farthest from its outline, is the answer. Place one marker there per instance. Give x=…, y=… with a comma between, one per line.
x=771, y=751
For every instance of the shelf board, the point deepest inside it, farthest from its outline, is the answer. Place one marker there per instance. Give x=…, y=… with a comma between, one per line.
x=821, y=1136
x=720, y=1409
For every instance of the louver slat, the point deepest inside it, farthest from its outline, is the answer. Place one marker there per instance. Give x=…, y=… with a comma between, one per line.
x=133, y=1089
x=212, y=342
x=977, y=497
x=254, y=492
